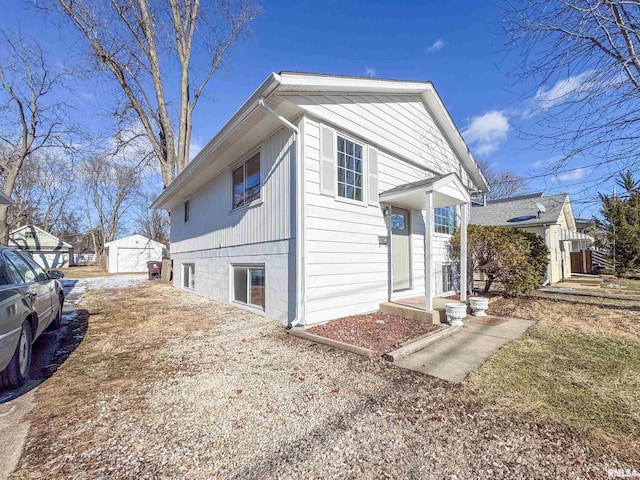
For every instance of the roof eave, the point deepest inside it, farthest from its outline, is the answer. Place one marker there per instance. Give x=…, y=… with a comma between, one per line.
x=264, y=90
x=433, y=101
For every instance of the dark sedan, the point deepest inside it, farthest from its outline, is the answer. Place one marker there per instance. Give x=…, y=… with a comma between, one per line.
x=30, y=301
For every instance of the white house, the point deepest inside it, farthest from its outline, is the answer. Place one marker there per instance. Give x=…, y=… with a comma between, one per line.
x=46, y=249
x=322, y=197
x=131, y=254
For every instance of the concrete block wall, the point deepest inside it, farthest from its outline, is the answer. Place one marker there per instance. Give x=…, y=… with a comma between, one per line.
x=214, y=274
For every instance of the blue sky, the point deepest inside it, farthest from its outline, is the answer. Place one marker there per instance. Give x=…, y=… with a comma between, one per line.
x=459, y=46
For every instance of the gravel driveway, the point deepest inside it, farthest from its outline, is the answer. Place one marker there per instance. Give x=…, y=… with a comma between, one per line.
x=230, y=395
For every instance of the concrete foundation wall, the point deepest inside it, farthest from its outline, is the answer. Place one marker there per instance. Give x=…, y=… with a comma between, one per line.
x=214, y=274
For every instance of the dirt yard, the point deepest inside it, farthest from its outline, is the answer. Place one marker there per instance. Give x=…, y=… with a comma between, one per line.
x=379, y=332
x=165, y=384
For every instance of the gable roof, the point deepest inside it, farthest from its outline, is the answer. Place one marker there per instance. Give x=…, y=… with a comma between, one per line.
x=250, y=116
x=40, y=232
x=513, y=212
x=135, y=238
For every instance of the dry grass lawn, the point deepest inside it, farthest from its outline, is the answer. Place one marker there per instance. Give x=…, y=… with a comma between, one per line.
x=580, y=365
x=87, y=271
x=166, y=384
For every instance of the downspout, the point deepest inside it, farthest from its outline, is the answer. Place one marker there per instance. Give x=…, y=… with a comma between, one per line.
x=299, y=217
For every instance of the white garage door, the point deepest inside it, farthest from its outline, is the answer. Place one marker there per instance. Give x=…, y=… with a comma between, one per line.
x=133, y=259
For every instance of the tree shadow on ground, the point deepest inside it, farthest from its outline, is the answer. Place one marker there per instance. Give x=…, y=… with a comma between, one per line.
x=51, y=350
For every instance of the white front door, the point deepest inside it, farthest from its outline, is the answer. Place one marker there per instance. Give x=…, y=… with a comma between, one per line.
x=400, y=249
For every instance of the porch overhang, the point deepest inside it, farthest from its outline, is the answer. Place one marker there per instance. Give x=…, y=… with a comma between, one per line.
x=569, y=236
x=447, y=190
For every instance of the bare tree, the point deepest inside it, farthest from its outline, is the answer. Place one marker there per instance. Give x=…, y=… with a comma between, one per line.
x=503, y=183
x=42, y=192
x=31, y=120
x=153, y=224
x=111, y=188
x=581, y=59
x=137, y=41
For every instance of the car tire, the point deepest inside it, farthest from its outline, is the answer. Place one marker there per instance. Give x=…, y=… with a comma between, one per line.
x=57, y=321
x=17, y=372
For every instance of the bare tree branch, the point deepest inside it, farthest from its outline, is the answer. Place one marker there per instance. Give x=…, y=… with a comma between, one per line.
x=128, y=37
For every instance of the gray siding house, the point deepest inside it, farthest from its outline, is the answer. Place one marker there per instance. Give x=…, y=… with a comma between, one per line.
x=322, y=197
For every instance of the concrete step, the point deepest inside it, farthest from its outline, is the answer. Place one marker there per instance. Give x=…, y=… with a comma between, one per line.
x=584, y=280
x=407, y=311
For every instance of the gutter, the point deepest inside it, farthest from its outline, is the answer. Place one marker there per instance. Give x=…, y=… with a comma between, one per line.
x=299, y=214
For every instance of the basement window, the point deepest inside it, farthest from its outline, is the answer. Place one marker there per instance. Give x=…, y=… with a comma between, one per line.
x=246, y=182
x=447, y=278
x=249, y=285
x=188, y=276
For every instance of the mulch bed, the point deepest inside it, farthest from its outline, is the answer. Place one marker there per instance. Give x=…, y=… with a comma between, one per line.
x=364, y=331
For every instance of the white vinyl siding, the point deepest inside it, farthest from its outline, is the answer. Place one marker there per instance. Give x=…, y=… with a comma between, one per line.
x=346, y=267
x=397, y=123
x=215, y=224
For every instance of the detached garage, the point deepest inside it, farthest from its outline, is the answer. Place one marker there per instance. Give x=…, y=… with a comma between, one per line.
x=131, y=254
x=46, y=249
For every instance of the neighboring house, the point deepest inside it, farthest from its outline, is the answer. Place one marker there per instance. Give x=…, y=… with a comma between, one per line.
x=550, y=217
x=46, y=249
x=131, y=254
x=309, y=204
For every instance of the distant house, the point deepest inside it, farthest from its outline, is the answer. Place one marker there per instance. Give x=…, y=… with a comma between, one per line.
x=46, y=249
x=131, y=254
x=551, y=217
x=325, y=196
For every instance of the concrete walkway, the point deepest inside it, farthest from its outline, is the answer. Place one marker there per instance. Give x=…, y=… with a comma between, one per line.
x=454, y=357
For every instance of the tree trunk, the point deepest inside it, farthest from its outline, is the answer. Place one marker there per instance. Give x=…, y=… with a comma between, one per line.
x=487, y=283
x=4, y=227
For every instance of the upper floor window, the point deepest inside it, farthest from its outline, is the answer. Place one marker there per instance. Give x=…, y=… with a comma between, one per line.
x=246, y=182
x=445, y=219
x=349, y=169
x=186, y=211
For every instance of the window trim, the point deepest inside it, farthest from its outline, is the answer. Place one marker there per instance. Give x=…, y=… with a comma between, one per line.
x=242, y=163
x=248, y=267
x=455, y=217
x=365, y=170
x=192, y=276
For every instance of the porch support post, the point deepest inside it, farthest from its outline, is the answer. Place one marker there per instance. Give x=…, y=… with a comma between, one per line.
x=463, y=252
x=428, y=252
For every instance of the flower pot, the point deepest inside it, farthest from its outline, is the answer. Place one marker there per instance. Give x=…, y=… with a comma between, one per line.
x=456, y=312
x=479, y=305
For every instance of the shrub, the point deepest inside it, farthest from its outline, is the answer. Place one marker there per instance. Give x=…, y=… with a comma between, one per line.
x=515, y=258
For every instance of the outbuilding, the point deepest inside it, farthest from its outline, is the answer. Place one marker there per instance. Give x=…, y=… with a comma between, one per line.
x=46, y=249
x=131, y=254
